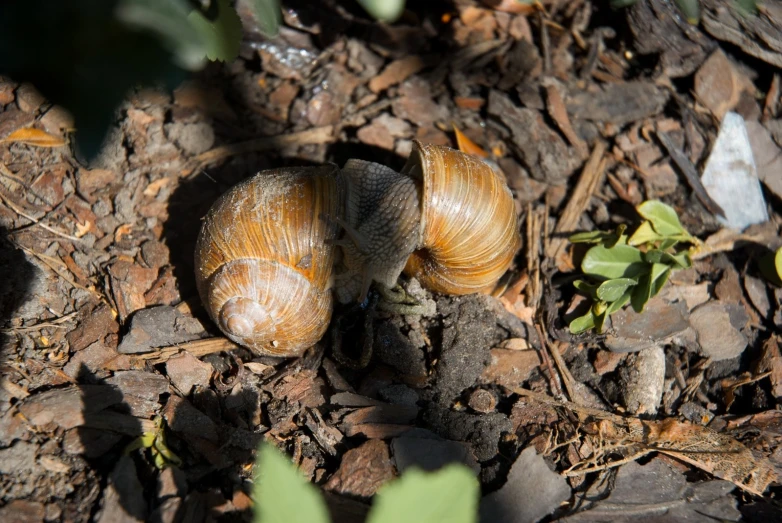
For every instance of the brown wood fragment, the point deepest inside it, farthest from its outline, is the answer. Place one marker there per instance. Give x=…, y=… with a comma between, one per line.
x=197, y=348
x=558, y=112
x=590, y=180
x=396, y=72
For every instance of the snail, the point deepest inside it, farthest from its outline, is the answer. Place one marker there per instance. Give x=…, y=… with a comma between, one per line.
x=264, y=259
x=266, y=253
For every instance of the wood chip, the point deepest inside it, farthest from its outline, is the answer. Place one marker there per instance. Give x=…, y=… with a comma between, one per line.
x=396, y=72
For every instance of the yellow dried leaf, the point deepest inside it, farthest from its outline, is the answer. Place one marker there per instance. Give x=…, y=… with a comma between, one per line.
x=468, y=146
x=35, y=137
x=82, y=228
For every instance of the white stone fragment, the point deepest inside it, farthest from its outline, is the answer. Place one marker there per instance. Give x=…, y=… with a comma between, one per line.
x=731, y=178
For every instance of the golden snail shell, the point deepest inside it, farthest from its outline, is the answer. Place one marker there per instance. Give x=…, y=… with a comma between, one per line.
x=264, y=259
x=469, y=228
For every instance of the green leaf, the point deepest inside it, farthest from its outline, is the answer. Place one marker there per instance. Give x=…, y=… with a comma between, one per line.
x=600, y=320
x=612, y=290
x=449, y=495
x=281, y=494
x=621, y=302
x=168, y=19
x=683, y=260
x=586, y=288
x=658, y=277
x=608, y=239
x=582, y=323
x=691, y=9
x=667, y=243
x=267, y=14
x=220, y=30
x=589, y=237
x=770, y=265
x=384, y=10
x=644, y=234
x=620, y=261
x=679, y=260
x=641, y=293
x=663, y=218
x=618, y=4
x=619, y=237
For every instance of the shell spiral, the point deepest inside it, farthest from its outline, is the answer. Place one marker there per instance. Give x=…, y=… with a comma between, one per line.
x=268, y=286
x=469, y=228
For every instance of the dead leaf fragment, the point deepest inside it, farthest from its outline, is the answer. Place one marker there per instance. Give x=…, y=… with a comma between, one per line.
x=34, y=137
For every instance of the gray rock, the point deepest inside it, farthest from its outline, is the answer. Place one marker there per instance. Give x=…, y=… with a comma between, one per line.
x=718, y=337
x=640, y=491
x=123, y=498
x=660, y=321
x=68, y=407
x=159, y=327
x=399, y=393
x=643, y=381
x=532, y=492
x=482, y=432
x=141, y=390
x=424, y=449
x=18, y=457
x=192, y=138
x=186, y=371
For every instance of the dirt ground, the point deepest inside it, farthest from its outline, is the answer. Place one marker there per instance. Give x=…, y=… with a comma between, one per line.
x=673, y=413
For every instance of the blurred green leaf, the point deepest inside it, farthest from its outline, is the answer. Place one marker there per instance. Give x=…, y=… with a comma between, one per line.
x=619, y=303
x=619, y=4
x=267, y=15
x=663, y=218
x=384, y=10
x=582, y=323
x=658, y=256
x=684, y=260
x=586, y=288
x=220, y=29
x=658, y=276
x=590, y=237
x=641, y=293
x=691, y=9
x=770, y=265
x=612, y=290
x=667, y=244
x=81, y=56
x=168, y=20
x=281, y=494
x=449, y=495
x=644, y=234
x=620, y=261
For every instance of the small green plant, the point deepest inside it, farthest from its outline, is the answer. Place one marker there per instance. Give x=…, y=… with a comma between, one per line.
x=771, y=267
x=155, y=441
x=282, y=495
x=383, y=10
x=622, y=269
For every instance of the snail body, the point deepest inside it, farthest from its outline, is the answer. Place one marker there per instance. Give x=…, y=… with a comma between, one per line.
x=266, y=252
x=264, y=259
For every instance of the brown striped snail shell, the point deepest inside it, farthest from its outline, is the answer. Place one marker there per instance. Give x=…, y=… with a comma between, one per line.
x=264, y=259
x=469, y=228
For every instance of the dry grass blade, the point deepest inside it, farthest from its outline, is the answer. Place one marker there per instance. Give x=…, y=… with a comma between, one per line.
x=197, y=348
x=713, y=452
x=316, y=135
